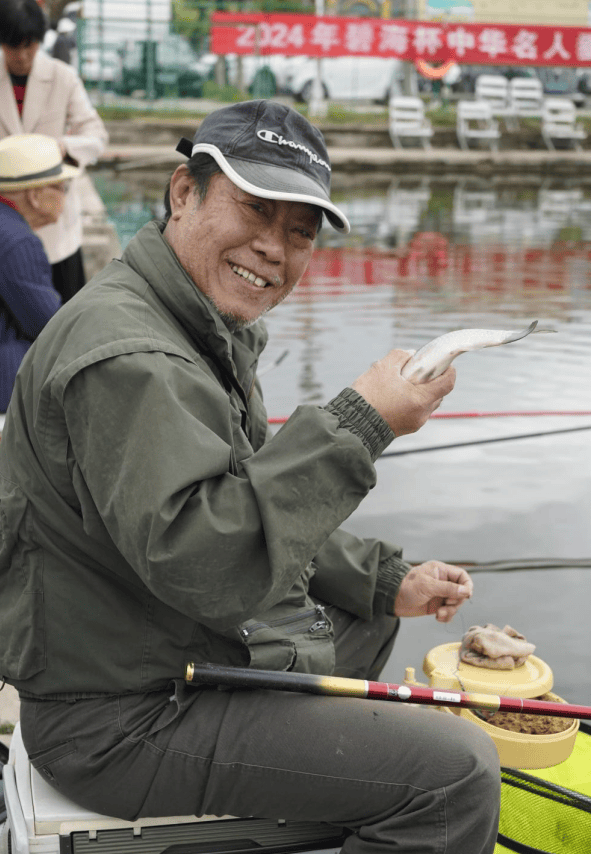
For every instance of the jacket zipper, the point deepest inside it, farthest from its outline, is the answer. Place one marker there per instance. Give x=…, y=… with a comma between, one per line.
x=321, y=623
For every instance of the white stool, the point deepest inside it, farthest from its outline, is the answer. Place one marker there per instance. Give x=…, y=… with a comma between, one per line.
x=42, y=821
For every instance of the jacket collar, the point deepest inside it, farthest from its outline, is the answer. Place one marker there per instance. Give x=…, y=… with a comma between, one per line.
x=38, y=88
x=39, y=80
x=10, y=120
x=152, y=257
x=8, y=202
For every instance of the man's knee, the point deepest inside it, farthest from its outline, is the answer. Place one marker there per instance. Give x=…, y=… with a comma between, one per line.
x=481, y=765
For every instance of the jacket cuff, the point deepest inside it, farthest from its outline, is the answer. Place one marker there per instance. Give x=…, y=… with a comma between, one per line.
x=390, y=574
x=357, y=416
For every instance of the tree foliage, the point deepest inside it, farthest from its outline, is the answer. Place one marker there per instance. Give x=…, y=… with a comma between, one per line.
x=54, y=9
x=192, y=17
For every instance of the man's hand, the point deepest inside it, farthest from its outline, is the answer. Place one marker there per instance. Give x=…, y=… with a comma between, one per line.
x=402, y=404
x=433, y=588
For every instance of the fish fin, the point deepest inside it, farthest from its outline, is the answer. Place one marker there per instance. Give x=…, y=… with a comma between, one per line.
x=515, y=336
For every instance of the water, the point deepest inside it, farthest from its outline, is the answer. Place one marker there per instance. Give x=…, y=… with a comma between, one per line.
x=424, y=258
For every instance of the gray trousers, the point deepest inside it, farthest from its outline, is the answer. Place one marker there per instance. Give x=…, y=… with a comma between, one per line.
x=404, y=779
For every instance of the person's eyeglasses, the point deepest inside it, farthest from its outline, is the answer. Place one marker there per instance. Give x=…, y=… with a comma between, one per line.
x=60, y=186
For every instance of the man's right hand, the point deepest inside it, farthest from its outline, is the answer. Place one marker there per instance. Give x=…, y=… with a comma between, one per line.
x=402, y=404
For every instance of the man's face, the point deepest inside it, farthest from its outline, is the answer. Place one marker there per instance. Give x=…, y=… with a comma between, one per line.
x=50, y=202
x=19, y=60
x=245, y=253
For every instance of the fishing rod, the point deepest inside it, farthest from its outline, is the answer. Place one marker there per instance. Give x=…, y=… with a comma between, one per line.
x=337, y=686
x=523, y=413
x=524, y=564
x=489, y=441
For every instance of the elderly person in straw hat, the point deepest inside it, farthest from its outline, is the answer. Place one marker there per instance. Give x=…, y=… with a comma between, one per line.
x=33, y=185
x=151, y=520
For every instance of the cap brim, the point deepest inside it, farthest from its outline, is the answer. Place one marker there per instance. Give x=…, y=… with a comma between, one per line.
x=275, y=182
x=67, y=173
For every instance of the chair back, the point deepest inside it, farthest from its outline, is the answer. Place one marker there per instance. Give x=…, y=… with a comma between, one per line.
x=406, y=111
x=478, y=111
x=474, y=121
x=559, y=111
x=526, y=96
x=559, y=122
x=494, y=89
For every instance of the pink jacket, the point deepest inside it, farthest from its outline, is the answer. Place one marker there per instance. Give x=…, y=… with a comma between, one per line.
x=56, y=104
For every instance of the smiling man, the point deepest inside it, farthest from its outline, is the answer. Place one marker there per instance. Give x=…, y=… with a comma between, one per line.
x=254, y=250
x=269, y=188
x=148, y=519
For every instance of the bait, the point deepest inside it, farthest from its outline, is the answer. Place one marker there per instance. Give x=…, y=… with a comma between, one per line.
x=434, y=358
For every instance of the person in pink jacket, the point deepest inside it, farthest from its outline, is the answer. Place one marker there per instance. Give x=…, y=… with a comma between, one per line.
x=39, y=94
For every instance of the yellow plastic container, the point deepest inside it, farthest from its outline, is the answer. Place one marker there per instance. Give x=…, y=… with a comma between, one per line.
x=444, y=669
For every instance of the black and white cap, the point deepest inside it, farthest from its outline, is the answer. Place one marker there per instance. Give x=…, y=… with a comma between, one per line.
x=269, y=150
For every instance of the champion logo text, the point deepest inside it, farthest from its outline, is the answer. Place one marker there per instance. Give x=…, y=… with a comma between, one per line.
x=278, y=139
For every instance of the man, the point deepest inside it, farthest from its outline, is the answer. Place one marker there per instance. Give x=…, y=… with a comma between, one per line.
x=65, y=44
x=33, y=188
x=160, y=523
x=39, y=94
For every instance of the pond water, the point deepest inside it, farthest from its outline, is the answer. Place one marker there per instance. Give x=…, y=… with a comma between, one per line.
x=424, y=258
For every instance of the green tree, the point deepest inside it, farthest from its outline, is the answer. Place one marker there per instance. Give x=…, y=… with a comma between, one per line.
x=191, y=18
x=54, y=9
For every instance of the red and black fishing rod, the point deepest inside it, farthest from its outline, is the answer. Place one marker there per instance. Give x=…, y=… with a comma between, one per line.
x=337, y=686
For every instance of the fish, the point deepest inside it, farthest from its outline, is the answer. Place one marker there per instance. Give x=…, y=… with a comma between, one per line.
x=434, y=358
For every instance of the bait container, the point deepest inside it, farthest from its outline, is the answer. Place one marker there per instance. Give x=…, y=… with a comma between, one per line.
x=532, y=679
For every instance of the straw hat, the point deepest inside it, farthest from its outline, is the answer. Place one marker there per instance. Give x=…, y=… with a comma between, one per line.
x=31, y=160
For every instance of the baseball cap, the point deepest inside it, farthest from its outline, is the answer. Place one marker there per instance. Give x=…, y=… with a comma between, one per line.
x=32, y=160
x=270, y=150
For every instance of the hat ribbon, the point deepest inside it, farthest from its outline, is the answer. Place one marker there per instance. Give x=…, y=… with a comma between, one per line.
x=46, y=173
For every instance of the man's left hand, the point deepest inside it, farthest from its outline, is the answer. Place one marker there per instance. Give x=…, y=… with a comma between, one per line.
x=433, y=588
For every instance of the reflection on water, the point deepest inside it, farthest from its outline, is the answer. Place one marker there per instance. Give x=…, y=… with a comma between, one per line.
x=130, y=202
x=423, y=258
x=468, y=210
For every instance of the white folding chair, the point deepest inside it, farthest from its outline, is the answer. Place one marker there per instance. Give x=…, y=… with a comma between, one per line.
x=494, y=89
x=559, y=122
x=475, y=122
x=407, y=121
x=526, y=98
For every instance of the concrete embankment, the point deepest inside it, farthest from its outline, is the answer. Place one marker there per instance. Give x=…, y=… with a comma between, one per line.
x=362, y=160
x=360, y=148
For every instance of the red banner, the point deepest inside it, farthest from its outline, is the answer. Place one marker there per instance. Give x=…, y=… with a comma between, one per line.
x=466, y=44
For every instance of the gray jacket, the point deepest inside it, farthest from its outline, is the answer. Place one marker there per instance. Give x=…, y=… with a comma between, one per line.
x=147, y=517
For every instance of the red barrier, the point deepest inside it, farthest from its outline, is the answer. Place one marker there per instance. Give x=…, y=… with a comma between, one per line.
x=502, y=269
x=523, y=413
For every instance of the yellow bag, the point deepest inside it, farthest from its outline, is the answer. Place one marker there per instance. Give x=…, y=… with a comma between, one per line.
x=549, y=813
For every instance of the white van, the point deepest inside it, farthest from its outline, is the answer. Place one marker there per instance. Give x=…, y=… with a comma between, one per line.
x=344, y=78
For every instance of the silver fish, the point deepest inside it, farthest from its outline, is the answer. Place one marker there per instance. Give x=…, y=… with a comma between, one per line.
x=436, y=356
